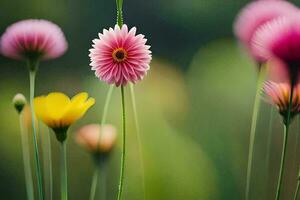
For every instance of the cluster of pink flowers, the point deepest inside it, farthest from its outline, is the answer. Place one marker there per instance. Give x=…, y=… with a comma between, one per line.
x=270, y=30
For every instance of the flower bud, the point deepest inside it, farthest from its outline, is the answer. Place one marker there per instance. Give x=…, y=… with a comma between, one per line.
x=88, y=137
x=19, y=101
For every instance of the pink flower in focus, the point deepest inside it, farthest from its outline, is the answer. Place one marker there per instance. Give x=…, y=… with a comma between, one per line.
x=280, y=39
x=257, y=13
x=33, y=39
x=88, y=137
x=279, y=94
x=120, y=56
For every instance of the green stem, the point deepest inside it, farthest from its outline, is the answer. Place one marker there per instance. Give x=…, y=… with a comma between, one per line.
x=269, y=148
x=103, y=121
x=297, y=188
x=282, y=162
x=106, y=105
x=47, y=157
x=284, y=148
x=124, y=145
x=103, y=180
x=94, y=183
x=26, y=160
x=32, y=74
x=63, y=169
x=256, y=108
x=119, y=12
x=137, y=127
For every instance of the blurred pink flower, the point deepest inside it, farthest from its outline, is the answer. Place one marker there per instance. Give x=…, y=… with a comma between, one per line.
x=120, y=56
x=256, y=14
x=280, y=96
x=280, y=39
x=33, y=39
x=88, y=137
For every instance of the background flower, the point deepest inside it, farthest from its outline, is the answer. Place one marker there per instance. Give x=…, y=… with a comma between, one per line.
x=88, y=137
x=33, y=39
x=120, y=56
x=257, y=13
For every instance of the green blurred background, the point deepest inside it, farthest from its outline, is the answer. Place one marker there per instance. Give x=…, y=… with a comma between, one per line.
x=194, y=106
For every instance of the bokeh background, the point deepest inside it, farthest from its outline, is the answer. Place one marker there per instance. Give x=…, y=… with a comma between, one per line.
x=194, y=106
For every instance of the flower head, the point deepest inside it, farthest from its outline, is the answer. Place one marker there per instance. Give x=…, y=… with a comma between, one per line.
x=88, y=137
x=280, y=39
x=33, y=39
x=58, y=111
x=120, y=56
x=257, y=13
x=19, y=101
x=280, y=96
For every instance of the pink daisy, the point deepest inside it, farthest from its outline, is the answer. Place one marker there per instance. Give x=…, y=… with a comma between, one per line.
x=33, y=39
x=256, y=14
x=120, y=56
x=280, y=39
x=279, y=94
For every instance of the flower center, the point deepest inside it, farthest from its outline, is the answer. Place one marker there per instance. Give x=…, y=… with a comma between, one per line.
x=119, y=54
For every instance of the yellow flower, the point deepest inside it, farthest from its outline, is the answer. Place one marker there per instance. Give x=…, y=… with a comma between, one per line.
x=58, y=111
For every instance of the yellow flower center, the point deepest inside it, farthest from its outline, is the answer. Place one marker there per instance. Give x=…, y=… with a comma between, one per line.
x=119, y=55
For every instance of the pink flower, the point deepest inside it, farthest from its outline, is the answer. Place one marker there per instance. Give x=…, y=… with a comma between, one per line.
x=280, y=96
x=88, y=137
x=255, y=15
x=280, y=39
x=120, y=56
x=33, y=39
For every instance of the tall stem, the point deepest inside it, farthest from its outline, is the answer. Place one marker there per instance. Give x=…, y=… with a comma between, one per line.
x=119, y=12
x=256, y=108
x=298, y=186
x=137, y=127
x=32, y=74
x=94, y=183
x=63, y=169
x=284, y=148
x=47, y=157
x=123, y=146
x=26, y=160
x=269, y=148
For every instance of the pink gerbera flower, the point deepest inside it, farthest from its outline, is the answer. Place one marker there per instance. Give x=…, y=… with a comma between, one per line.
x=120, y=56
x=256, y=14
x=279, y=94
x=280, y=39
x=33, y=39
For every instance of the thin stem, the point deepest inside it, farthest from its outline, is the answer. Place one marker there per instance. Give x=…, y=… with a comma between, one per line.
x=35, y=142
x=106, y=105
x=26, y=160
x=256, y=108
x=140, y=150
x=284, y=148
x=282, y=162
x=94, y=183
x=269, y=147
x=103, y=167
x=47, y=157
x=124, y=146
x=297, y=188
x=63, y=169
x=103, y=121
x=119, y=12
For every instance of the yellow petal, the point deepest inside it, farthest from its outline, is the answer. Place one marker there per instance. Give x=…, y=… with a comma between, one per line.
x=76, y=112
x=39, y=106
x=79, y=98
x=56, y=104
